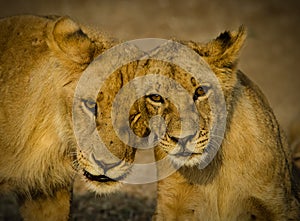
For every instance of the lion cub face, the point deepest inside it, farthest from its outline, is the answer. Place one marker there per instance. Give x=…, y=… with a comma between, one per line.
x=187, y=137
x=184, y=108
x=106, y=165
x=102, y=165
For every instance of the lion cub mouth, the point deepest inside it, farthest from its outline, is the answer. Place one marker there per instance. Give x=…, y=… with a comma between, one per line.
x=184, y=154
x=98, y=178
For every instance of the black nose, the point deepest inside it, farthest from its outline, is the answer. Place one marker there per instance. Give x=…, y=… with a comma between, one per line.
x=106, y=166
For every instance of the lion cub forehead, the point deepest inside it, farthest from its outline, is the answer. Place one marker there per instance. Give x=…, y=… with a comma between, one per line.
x=169, y=73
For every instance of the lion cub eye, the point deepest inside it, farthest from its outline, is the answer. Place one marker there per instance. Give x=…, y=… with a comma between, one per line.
x=201, y=91
x=90, y=105
x=156, y=98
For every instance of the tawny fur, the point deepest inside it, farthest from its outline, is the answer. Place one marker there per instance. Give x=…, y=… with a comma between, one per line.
x=41, y=60
x=251, y=176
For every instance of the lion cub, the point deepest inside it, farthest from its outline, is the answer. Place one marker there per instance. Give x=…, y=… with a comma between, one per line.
x=250, y=177
x=41, y=61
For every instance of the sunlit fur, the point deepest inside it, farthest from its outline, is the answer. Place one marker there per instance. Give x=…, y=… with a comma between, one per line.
x=41, y=60
x=251, y=176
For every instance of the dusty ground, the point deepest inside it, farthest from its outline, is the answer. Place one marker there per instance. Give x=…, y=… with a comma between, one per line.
x=270, y=58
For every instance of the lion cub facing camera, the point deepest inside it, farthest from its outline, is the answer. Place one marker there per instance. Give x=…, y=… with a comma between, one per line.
x=250, y=178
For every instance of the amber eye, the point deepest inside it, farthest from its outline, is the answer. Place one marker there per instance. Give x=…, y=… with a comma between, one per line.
x=200, y=92
x=156, y=98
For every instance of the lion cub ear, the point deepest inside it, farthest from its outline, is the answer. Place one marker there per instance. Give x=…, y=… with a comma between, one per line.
x=223, y=51
x=70, y=39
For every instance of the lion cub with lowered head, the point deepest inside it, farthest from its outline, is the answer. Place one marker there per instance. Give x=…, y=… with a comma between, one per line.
x=41, y=61
x=250, y=177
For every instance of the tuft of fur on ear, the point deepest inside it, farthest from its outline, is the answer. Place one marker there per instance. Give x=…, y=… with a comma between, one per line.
x=72, y=41
x=223, y=51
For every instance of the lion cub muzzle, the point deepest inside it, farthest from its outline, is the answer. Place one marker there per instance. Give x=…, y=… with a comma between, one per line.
x=103, y=174
x=105, y=171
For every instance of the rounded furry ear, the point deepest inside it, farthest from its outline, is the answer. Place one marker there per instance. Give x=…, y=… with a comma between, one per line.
x=72, y=41
x=223, y=51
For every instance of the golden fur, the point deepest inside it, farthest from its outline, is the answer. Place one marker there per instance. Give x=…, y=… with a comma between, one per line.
x=251, y=176
x=41, y=60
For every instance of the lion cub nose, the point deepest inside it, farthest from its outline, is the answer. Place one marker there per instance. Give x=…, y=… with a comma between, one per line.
x=105, y=166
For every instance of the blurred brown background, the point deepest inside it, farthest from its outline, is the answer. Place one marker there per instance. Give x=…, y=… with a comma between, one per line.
x=270, y=58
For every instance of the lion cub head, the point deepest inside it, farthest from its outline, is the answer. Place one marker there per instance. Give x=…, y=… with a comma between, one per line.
x=102, y=171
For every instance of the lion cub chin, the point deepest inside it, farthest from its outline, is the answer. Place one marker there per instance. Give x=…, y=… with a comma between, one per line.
x=250, y=178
